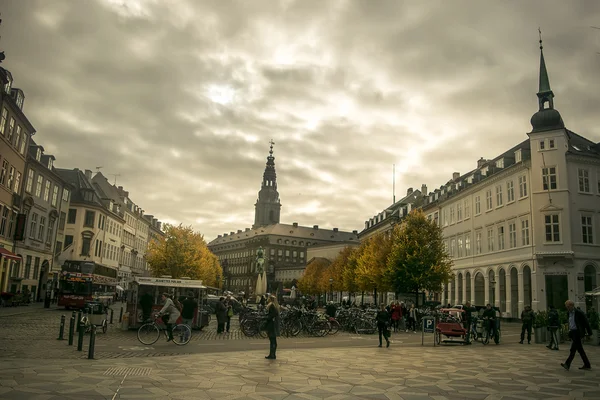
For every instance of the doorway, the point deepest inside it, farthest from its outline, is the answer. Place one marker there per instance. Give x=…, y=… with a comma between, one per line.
x=557, y=290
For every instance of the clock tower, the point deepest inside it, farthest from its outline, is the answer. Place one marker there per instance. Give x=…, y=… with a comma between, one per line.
x=268, y=207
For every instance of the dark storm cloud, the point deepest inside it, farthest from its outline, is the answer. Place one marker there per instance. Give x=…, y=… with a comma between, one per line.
x=182, y=100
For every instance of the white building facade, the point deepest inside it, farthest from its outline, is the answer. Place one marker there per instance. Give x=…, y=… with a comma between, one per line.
x=523, y=228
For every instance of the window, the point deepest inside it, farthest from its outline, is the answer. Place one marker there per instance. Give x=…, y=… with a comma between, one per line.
x=543, y=144
x=510, y=191
x=28, y=267
x=11, y=225
x=490, y=239
x=17, y=142
x=584, y=180
x=38, y=186
x=525, y=232
x=468, y=245
x=61, y=221
x=467, y=209
x=499, y=196
x=23, y=143
x=518, y=156
x=90, y=217
x=65, y=195
x=3, y=120
x=488, y=199
x=512, y=235
x=36, y=268
x=29, y=184
x=500, y=238
x=452, y=209
x=11, y=177
x=72, y=216
x=552, y=228
x=445, y=215
x=477, y=205
x=459, y=213
x=33, y=225
x=38, y=154
x=11, y=130
x=522, y=186
x=42, y=227
x=47, y=191
x=55, y=196
x=587, y=229
x=551, y=143
x=50, y=233
x=4, y=221
x=549, y=178
x=86, y=245
x=452, y=248
x=4, y=172
x=460, y=247
x=17, y=187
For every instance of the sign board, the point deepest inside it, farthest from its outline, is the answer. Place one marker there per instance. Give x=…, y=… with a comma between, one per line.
x=189, y=283
x=428, y=326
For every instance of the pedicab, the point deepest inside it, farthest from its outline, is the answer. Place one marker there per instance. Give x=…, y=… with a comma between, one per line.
x=449, y=325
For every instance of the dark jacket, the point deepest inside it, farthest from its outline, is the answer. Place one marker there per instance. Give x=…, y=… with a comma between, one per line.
x=491, y=314
x=468, y=314
x=553, y=320
x=382, y=318
x=272, y=321
x=221, y=312
x=527, y=316
x=583, y=325
x=189, y=306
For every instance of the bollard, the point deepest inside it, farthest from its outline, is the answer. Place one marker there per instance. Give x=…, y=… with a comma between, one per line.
x=92, y=343
x=78, y=320
x=80, y=339
x=71, y=329
x=61, y=332
x=111, y=315
x=121, y=315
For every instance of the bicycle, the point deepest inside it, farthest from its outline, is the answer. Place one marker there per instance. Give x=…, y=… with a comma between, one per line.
x=149, y=333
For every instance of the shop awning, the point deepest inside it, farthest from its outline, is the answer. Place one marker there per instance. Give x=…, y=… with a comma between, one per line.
x=595, y=292
x=7, y=254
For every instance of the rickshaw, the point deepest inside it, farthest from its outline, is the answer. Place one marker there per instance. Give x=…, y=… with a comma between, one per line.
x=449, y=325
x=96, y=314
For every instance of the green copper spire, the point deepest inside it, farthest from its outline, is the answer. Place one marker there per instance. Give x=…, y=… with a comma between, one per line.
x=544, y=94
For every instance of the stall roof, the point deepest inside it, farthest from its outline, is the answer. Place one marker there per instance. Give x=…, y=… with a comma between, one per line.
x=595, y=292
x=185, y=283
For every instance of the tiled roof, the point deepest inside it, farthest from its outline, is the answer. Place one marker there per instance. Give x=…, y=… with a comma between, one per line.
x=291, y=231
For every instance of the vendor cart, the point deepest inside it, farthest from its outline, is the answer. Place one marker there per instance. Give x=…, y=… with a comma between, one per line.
x=96, y=313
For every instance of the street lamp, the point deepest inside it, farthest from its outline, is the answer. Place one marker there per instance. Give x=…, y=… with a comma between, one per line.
x=331, y=289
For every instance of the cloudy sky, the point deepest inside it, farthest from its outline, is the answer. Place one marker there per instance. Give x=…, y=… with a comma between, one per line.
x=181, y=97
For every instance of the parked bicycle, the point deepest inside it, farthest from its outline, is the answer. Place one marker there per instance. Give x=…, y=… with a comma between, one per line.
x=149, y=332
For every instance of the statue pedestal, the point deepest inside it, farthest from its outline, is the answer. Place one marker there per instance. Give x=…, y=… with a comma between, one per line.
x=261, y=286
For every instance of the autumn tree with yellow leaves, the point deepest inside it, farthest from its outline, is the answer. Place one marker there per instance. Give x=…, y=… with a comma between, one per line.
x=372, y=263
x=312, y=280
x=182, y=252
x=418, y=259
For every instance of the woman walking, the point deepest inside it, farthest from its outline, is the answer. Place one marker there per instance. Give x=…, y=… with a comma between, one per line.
x=382, y=320
x=396, y=316
x=272, y=326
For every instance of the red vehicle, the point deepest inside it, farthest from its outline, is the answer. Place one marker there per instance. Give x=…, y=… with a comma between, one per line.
x=449, y=324
x=83, y=281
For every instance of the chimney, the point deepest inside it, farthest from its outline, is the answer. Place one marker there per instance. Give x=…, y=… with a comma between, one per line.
x=158, y=225
x=225, y=235
x=315, y=226
x=424, y=189
x=295, y=224
x=247, y=230
x=239, y=231
x=455, y=176
x=409, y=191
x=480, y=162
x=232, y=233
x=355, y=232
x=219, y=236
x=88, y=174
x=335, y=229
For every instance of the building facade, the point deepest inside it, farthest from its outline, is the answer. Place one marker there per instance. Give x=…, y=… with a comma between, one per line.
x=522, y=228
x=42, y=201
x=15, y=133
x=285, y=245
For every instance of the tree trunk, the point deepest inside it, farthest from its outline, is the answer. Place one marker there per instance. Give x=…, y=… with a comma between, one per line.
x=375, y=295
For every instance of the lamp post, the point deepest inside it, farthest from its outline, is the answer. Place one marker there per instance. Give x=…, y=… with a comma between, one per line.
x=330, y=289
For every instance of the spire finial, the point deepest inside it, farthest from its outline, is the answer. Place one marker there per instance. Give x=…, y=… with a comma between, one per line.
x=540, y=32
x=271, y=142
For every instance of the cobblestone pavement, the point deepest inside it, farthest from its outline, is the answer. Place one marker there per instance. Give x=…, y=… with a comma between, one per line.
x=400, y=372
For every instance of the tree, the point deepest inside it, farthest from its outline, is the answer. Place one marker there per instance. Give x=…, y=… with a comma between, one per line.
x=338, y=266
x=181, y=252
x=372, y=263
x=311, y=280
x=418, y=259
x=349, y=271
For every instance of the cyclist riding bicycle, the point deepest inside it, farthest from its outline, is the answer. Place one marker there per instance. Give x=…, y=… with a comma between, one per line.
x=489, y=319
x=170, y=314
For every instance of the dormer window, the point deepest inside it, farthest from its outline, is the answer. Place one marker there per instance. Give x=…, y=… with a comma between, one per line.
x=518, y=155
x=551, y=143
x=9, y=82
x=500, y=163
x=38, y=154
x=50, y=163
x=484, y=171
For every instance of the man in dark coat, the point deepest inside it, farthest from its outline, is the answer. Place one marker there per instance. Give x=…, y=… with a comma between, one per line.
x=468, y=315
x=578, y=328
x=553, y=325
x=527, y=319
x=221, y=312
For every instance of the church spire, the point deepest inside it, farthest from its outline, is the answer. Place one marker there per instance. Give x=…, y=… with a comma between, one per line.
x=267, y=207
x=545, y=94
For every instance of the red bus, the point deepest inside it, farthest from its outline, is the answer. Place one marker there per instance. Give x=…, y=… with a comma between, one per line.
x=81, y=281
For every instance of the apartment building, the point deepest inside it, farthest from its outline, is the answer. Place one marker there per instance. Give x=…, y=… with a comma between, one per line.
x=522, y=228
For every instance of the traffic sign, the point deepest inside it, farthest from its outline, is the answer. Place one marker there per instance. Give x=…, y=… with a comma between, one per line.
x=428, y=325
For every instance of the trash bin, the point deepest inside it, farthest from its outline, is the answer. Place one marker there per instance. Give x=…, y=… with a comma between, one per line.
x=203, y=319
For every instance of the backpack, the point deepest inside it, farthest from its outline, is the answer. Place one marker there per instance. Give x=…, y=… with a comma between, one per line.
x=178, y=305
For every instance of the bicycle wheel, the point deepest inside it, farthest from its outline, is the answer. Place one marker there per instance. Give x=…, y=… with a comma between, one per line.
x=335, y=327
x=104, y=326
x=438, y=337
x=148, y=334
x=485, y=339
x=181, y=334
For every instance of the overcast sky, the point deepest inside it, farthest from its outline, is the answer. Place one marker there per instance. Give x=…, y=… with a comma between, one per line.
x=181, y=97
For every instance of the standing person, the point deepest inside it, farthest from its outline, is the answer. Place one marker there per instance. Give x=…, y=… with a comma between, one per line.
x=490, y=315
x=383, y=317
x=170, y=314
x=189, y=307
x=146, y=303
x=469, y=310
x=527, y=319
x=412, y=319
x=578, y=328
x=229, y=305
x=272, y=326
x=396, y=315
x=221, y=313
x=262, y=303
x=553, y=325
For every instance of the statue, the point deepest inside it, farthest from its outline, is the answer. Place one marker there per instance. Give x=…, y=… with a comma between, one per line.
x=261, y=281
x=260, y=261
